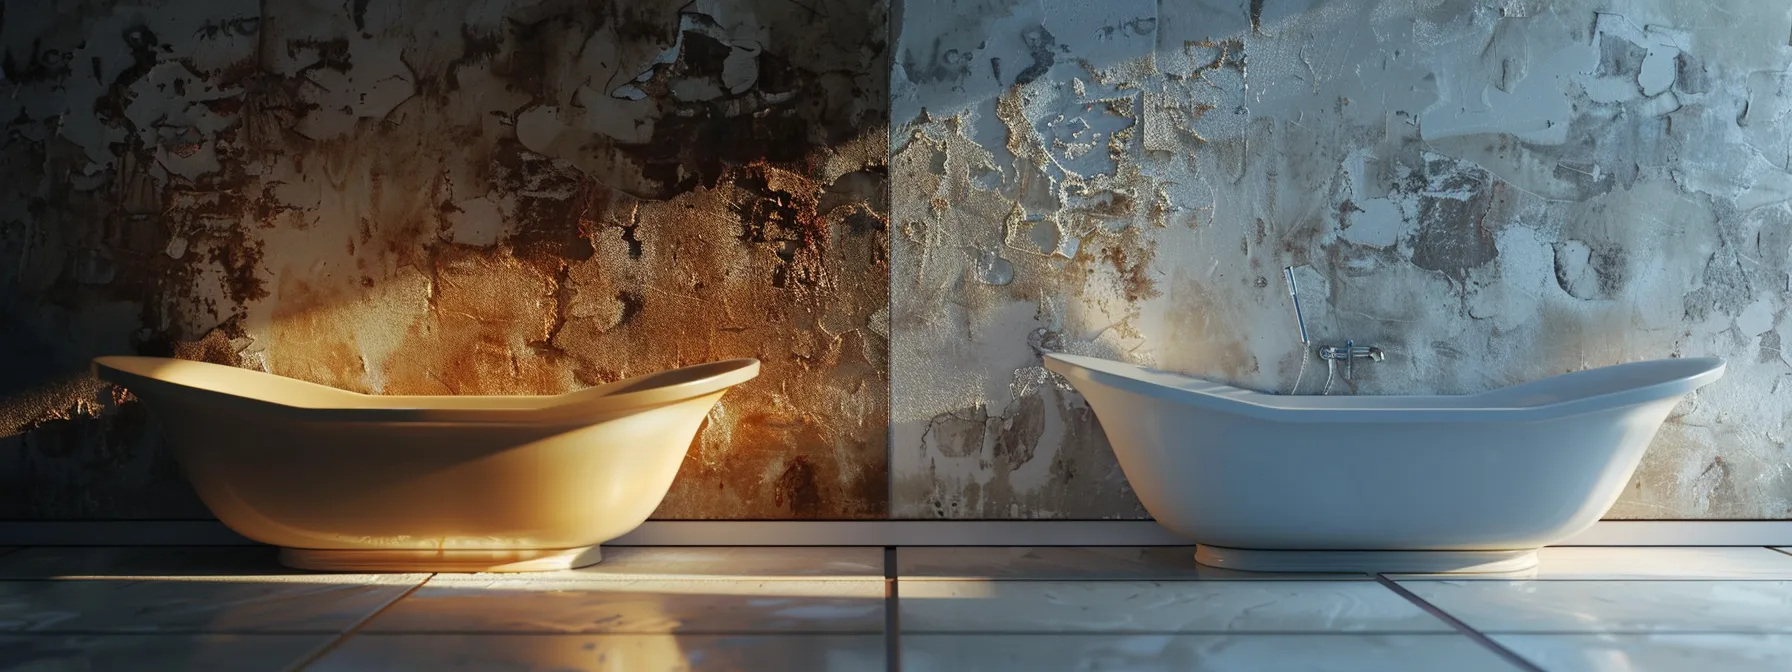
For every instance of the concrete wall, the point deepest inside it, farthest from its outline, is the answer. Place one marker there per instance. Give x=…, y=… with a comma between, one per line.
x=897, y=208
x=463, y=197
x=1492, y=191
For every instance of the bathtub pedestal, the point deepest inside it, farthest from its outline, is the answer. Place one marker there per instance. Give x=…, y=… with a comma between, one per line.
x=1404, y=562
x=439, y=561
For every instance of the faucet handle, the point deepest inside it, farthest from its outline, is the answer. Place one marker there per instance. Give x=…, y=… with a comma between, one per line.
x=1350, y=351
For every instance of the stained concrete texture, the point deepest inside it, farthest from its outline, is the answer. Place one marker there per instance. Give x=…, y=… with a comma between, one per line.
x=1492, y=191
x=516, y=197
x=461, y=197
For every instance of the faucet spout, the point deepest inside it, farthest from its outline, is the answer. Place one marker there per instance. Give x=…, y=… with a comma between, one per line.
x=1350, y=351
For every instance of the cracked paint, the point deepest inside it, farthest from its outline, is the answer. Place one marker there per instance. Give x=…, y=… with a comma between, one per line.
x=530, y=197
x=1490, y=191
x=460, y=198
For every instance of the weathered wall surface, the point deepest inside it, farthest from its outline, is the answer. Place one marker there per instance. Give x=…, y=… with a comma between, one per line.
x=465, y=197
x=517, y=196
x=1491, y=190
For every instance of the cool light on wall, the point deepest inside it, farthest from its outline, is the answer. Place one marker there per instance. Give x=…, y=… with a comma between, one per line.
x=1473, y=483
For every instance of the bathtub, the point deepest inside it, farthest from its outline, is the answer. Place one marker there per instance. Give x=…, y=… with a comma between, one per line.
x=1473, y=483
x=352, y=482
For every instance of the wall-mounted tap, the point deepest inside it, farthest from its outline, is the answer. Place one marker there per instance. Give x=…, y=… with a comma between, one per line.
x=1331, y=354
x=1350, y=352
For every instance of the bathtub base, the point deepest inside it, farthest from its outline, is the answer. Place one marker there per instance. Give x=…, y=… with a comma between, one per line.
x=1404, y=562
x=326, y=560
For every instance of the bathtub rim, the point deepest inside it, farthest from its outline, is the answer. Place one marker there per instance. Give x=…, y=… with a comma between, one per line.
x=1223, y=398
x=576, y=408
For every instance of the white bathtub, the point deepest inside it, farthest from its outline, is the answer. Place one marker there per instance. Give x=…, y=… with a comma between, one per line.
x=1390, y=483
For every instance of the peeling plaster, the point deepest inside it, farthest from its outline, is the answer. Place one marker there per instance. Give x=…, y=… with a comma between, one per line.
x=529, y=197
x=1491, y=191
x=470, y=197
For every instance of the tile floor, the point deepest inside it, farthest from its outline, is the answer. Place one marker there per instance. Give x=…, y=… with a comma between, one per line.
x=233, y=608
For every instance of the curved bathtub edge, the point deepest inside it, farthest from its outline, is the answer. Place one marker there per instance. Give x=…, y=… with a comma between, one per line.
x=577, y=407
x=622, y=395
x=1225, y=398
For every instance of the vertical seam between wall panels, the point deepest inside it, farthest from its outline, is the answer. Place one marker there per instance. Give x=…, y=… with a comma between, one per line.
x=356, y=628
x=1463, y=628
x=892, y=614
x=890, y=226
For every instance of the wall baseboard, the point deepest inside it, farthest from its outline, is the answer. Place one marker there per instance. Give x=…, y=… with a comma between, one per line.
x=885, y=533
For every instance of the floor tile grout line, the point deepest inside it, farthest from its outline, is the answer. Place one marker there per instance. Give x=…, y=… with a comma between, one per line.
x=1134, y=579
x=642, y=579
x=1415, y=579
x=169, y=632
x=353, y=629
x=1196, y=632
x=892, y=614
x=1639, y=632
x=283, y=579
x=332, y=634
x=468, y=633
x=1486, y=642
x=616, y=633
x=1636, y=579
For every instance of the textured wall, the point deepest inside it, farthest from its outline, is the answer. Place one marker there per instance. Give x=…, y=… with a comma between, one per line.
x=1491, y=190
x=468, y=197
x=492, y=197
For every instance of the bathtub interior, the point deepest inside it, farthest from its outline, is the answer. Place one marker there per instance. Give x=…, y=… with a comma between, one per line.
x=659, y=387
x=144, y=372
x=1669, y=376
x=1635, y=382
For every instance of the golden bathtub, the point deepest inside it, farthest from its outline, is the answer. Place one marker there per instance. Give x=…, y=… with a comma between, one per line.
x=342, y=481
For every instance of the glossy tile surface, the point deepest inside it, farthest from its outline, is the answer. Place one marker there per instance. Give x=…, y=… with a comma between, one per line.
x=220, y=653
x=594, y=653
x=639, y=607
x=46, y=562
x=1613, y=606
x=1070, y=563
x=312, y=603
x=744, y=563
x=1646, y=562
x=1204, y=653
x=1146, y=606
x=236, y=608
x=1653, y=653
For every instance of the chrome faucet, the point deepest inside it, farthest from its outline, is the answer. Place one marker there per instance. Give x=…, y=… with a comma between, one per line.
x=1330, y=354
x=1350, y=353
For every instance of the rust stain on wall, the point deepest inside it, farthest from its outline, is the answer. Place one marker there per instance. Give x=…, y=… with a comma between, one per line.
x=449, y=198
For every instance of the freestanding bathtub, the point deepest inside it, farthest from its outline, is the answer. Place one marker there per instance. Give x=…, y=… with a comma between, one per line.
x=352, y=482
x=1473, y=483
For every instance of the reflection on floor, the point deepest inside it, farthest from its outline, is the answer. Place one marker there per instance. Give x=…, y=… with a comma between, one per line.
x=233, y=608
